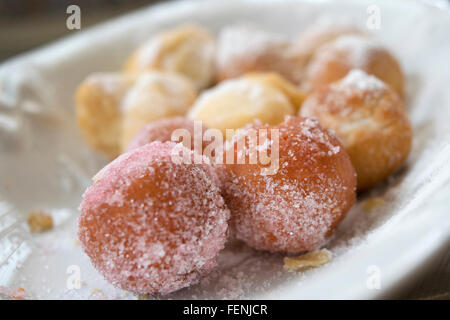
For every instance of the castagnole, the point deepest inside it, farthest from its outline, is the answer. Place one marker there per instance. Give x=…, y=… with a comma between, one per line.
x=99, y=112
x=154, y=96
x=236, y=102
x=112, y=107
x=243, y=49
x=188, y=50
x=153, y=225
x=333, y=60
x=167, y=130
x=325, y=29
x=296, y=207
x=370, y=120
x=275, y=80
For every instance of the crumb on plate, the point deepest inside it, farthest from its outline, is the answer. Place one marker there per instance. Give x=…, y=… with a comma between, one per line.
x=18, y=294
x=372, y=203
x=39, y=221
x=308, y=260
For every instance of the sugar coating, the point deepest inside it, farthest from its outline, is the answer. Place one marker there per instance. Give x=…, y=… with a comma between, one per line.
x=325, y=29
x=296, y=208
x=333, y=60
x=162, y=130
x=186, y=49
x=150, y=225
x=243, y=49
x=359, y=48
x=98, y=109
x=111, y=83
x=370, y=120
x=238, y=41
x=358, y=80
x=155, y=95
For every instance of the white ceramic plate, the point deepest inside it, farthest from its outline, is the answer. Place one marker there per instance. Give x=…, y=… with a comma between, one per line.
x=44, y=164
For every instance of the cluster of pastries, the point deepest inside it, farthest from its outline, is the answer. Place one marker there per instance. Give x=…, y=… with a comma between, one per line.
x=333, y=94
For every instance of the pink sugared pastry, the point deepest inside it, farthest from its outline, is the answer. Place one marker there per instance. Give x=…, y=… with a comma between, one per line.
x=150, y=225
x=296, y=207
x=162, y=130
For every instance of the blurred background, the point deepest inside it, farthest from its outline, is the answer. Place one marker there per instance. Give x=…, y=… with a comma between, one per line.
x=26, y=24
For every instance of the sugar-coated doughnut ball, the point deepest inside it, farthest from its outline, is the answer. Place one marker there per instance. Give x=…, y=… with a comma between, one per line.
x=150, y=225
x=296, y=207
x=188, y=49
x=323, y=30
x=370, y=120
x=162, y=130
x=155, y=95
x=236, y=102
x=243, y=49
x=335, y=59
x=99, y=115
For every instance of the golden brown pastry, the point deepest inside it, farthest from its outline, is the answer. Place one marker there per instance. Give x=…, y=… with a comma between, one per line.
x=236, y=102
x=243, y=49
x=323, y=30
x=333, y=60
x=275, y=80
x=371, y=121
x=155, y=95
x=98, y=110
x=188, y=49
x=293, y=207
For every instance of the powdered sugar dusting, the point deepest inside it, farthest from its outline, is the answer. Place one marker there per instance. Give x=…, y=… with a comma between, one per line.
x=358, y=49
x=114, y=84
x=236, y=42
x=358, y=80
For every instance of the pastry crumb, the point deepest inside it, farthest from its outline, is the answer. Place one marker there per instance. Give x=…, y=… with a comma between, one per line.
x=18, y=294
x=372, y=203
x=308, y=260
x=143, y=297
x=95, y=291
x=39, y=221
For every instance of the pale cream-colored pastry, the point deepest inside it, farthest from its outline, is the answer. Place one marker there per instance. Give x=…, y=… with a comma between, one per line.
x=333, y=60
x=236, y=102
x=275, y=80
x=370, y=120
x=243, y=49
x=187, y=49
x=155, y=95
x=323, y=30
x=98, y=100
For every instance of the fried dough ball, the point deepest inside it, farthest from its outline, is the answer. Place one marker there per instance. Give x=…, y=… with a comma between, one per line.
x=275, y=80
x=323, y=30
x=370, y=120
x=335, y=59
x=150, y=225
x=296, y=207
x=234, y=103
x=188, y=49
x=243, y=49
x=162, y=130
x=154, y=96
x=98, y=110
